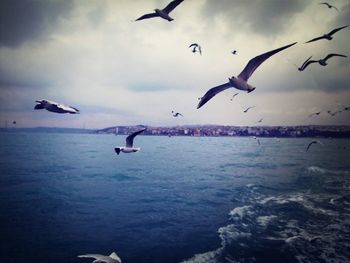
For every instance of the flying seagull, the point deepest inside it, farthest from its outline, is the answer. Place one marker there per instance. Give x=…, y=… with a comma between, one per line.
x=196, y=48
x=322, y=62
x=234, y=95
x=311, y=143
x=241, y=82
x=234, y=52
x=327, y=36
x=259, y=121
x=176, y=114
x=247, y=109
x=329, y=6
x=334, y=113
x=112, y=258
x=346, y=108
x=257, y=140
x=128, y=148
x=164, y=13
x=55, y=107
x=315, y=114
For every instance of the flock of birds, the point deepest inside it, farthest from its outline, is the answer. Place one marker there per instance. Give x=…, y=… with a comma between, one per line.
x=239, y=82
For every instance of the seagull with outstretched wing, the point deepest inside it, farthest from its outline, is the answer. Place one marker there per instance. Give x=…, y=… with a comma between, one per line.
x=112, y=258
x=129, y=148
x=311, y=143
x=241, y=82
x=162, y=13
x=327, y=36
x=329, y=6
x=322, y=62
x=55, y=107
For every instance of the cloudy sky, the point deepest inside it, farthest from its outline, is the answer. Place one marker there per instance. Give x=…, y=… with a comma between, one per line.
x=91, y=54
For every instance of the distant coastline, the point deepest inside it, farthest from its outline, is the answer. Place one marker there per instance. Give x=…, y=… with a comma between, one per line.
x=332, y=131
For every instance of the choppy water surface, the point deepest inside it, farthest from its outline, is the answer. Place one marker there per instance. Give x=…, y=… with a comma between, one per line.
x=178, y=199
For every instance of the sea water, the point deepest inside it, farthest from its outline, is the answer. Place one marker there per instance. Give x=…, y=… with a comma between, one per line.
x=180, y=199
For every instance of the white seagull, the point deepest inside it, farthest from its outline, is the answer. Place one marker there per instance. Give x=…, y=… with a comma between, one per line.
x=322, y=62
x=327, y=36
x=234, y=95
x=112, y=258
x=128, y=148
x=196, y=48
x=163, y=13
x=55, y=107
x=241, y=82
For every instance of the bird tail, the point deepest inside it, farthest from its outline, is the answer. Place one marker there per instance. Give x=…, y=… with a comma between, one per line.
x=115, y=256
x=117, y=150
x=250, y=89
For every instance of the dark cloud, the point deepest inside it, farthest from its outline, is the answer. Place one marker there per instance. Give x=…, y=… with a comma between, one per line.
x=261, y=16
x=343, y=17
x=26, y=20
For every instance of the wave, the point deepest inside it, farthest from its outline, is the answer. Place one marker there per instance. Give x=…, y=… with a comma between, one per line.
x=320, y=170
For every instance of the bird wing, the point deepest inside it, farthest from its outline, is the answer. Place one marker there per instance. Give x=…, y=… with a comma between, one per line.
x=315, y=39
x=302, y=66
x=336, y=30
x=324, y=4
x=335, y=8
x=334, y=55
x=311, y=143
x=254, y=63
x=212, y=92
x=115, y=257
x=200, y=50
x=146, y=16
x=65, y=107
x=171, y=6
x=193, y=45
x=130, y=138
x=308, y=63
x=39, y=106
x=95, y=256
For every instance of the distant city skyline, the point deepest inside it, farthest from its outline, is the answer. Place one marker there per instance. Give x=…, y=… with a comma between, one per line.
x=93, y=56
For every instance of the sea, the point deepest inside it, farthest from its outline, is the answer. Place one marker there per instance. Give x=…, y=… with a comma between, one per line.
x=178, y=200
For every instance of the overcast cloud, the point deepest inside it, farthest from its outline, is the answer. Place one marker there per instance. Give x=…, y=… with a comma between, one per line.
x=91, y=55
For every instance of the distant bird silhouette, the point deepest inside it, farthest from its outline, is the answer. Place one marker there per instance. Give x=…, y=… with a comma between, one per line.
x=55, y=107
x=260, y=121
x=311, y=143
x=234, y=95
x=112, y=258
x=329, y=6
x=241, y=82
x=196, y=48
x=315, y=114
x=346, y=109
x=247, y=109
x=322, y=62
x=327, y=36
x=334, y=113
x=14, y=122
x=234, y=52
x=128, y=148
x=176, y=114
x=257, y=140
x=163, y=13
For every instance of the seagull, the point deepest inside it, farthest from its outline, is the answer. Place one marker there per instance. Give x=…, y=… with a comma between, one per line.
x=259, y=121
x=327, y=36
x=311, y=143
x=334, y=113
x=14, y=122
x=247, y=109
x=241, y=82
x=257, y=140
x=112, y=258
x=315, y=114
x=128, y=148
x=164, y=13
x=176, y=114
x=346, y=108
x=234, y=52
x=55, y=107
x=196, y=48
x=329, y=6
x=234, y=95
x=322, y=62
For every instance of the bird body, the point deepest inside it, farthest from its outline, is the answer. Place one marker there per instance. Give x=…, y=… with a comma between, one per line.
x=128, y=148
x=162, y=13
x=112, y=258
x=55, y=107
x=315, y=114
x=176, y=114
x=196, y=48
x=241, y=82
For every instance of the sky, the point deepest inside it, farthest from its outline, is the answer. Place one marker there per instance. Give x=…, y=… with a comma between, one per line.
x=92, y=55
